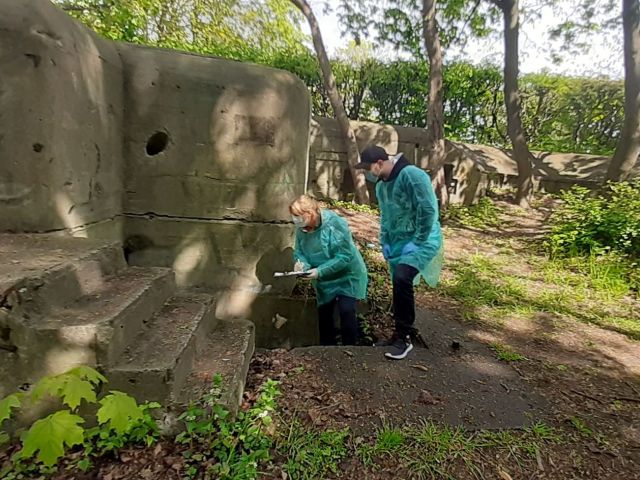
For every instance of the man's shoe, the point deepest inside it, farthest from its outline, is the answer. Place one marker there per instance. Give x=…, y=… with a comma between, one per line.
x=400, y=348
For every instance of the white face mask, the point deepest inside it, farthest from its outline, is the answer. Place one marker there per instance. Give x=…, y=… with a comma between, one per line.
x=299, y=221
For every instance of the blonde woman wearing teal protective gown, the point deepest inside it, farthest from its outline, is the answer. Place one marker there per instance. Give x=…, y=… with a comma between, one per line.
x=324, y=248
x=410, y=235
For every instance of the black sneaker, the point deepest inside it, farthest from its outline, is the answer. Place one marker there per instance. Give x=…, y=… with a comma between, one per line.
x=400, y=348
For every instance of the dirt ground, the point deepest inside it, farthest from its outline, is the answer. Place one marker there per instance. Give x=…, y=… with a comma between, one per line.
x=573, y=374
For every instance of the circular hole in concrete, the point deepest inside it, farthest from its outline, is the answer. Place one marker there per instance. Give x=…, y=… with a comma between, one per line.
x=157, y=143
x=38, y=147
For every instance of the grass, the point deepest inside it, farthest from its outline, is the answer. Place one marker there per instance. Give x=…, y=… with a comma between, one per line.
x=505, y=354
x=587, y=290
x=311, y=454
x=433, y=451
x=483, y=215
x=352, y=206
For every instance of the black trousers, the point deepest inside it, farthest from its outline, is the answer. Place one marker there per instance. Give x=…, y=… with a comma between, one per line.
x=404, y=305
x=348, y=321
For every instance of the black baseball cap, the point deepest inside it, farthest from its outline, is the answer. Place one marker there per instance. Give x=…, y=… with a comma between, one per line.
x=371, y=154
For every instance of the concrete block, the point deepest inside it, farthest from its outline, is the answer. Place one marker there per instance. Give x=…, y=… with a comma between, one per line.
x=158, y=359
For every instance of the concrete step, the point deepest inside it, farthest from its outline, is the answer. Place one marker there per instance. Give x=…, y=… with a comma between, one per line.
x=159, y=358
x=227, y=351
x=40, y=270
x=94, y=329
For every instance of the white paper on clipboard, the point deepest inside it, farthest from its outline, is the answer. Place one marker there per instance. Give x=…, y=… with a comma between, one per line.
x=290, y=274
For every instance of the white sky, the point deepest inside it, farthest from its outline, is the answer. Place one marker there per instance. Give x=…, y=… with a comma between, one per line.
x=603, y=57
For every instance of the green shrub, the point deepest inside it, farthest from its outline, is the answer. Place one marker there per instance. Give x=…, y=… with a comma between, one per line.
x=597, y=224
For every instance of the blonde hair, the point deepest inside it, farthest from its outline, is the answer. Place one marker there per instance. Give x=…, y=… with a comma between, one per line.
x=304, y=204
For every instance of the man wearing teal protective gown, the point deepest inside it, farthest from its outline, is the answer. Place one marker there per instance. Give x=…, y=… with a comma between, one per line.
x=410, y=236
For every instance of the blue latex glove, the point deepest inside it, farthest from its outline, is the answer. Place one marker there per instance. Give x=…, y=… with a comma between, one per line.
x=409, y=248
x=386, y=251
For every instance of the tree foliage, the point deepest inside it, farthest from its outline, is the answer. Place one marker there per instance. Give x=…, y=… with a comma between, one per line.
x=559, y=113
x=239, y=29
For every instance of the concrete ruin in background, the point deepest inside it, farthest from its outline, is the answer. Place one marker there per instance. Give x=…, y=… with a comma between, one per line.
x=181, y=163
x=470, y=170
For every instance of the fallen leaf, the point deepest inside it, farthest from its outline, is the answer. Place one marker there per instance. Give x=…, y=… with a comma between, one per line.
x=504, y=475
x=428, y=399
x=348, y=353
x=421, y=367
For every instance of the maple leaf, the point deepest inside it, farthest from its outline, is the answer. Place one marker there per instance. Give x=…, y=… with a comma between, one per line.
x=88, y=373
x=8, y=403
x=74, y=390
x=49, y=436
x=72, y=387
x=46, y=385
x=120, y=410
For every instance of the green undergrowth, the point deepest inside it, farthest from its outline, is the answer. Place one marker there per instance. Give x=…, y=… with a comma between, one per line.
x=433, y=451
x=589, y=290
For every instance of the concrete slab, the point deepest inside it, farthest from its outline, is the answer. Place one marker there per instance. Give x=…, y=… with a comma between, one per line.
x=228, y=352
x=466, y=387
x=93, y=329
x=73, y=266
x=159, y=358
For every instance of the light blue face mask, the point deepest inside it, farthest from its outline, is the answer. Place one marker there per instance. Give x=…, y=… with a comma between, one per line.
x=370, y=176
x=298, y=221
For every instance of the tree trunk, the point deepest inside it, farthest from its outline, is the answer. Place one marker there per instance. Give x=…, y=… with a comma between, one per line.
x=435, y=110
x=329, y=81
x=628, y=147
x=521, y=152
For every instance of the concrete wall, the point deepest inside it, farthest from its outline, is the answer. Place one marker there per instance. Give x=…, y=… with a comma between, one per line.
x=213, y=204
x=470, y=169
x=60, y=121
x=190, y=161
x=329, y=176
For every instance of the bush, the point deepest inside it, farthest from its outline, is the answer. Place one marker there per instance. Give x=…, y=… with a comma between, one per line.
x=588, y=224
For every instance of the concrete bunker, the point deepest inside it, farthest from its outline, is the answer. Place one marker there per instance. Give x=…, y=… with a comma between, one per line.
x=182, y=164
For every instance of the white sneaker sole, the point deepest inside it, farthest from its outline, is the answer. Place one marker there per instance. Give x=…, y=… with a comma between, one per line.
x=401, y=356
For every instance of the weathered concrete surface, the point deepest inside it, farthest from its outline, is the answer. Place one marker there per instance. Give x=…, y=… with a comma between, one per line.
x=284, y=322
x=473, y=168
x=61, y=121
x=235, y=145
x=45, y=270
x=91, y=330
x=159, y=357
x=228, y=351
x=235, y=255
x=468, y=387
x=148, y=340
x=237, y=136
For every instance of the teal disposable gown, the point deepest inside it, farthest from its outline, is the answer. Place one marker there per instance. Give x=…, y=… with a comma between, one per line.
x=330, y=249
x=409, y=213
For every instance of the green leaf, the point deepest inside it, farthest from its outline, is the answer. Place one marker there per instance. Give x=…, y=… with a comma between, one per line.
x=4, y=438
x=74, y=390
x=49, y=436
x=8, y=403
x=88, y=373
x=120, y=410
x=46, y=386
x=70, y=386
